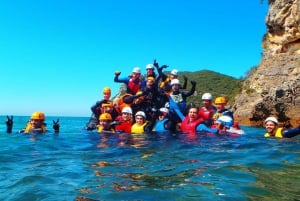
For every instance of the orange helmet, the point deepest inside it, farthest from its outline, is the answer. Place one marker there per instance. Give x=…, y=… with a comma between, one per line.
x=220, y=100
x=105, y=117
x=38, y=116
x=106, y=90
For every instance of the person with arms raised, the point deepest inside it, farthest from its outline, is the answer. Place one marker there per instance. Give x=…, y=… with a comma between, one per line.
x=133, y=83
x=37, y=125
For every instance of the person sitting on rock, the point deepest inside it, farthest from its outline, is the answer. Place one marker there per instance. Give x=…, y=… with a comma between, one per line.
x=133, y=83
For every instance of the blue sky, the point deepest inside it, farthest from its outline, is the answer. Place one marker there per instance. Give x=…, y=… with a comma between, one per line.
x=56, y=56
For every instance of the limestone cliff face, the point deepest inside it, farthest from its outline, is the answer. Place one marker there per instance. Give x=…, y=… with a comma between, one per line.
x=273, y=88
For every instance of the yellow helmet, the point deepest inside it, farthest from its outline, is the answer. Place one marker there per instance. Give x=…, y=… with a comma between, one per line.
x=150, y=78
x=220, y=100
x=105, y=117
x=38, y=116
x=107, y=104
x=106, y=90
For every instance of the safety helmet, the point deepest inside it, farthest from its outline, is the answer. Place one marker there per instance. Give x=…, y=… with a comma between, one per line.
x=106, y=90
x=150, y=78
x=220, y=100
x=141, y=113
x=175, y=81
x=105, y=117
x=174, y=72
x=136, y=70
x=38, y=116
x=206, y=96
x=149, y=66
x=225, y=120
x=165, y=110
x=273, y=119
x=127, y=110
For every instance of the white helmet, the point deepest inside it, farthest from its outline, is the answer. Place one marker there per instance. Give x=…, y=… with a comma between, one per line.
x=165, y=110
x=149, y=66
x=141, y=113
x=225, y=120
x=273, y=119
x=206, y=96
x=136, y=70
x=174, y=72
x=127, y=110
x=174, y=81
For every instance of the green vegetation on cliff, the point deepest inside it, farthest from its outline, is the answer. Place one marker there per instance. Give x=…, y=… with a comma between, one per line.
x=215, y=83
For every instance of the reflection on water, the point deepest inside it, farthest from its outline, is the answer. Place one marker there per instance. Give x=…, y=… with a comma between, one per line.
x=88, y=166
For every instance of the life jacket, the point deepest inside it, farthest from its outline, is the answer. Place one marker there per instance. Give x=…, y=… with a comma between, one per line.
x=164, y=83
x=219, y=114
x=206, y=113
x=138, y=129
x=134, y=86
x=29, y=129
x=178, y=99
x=187, y=126
x=278, y=133
x=124, y=126
x=160, y=125
x=121, y=103
x=101, y=130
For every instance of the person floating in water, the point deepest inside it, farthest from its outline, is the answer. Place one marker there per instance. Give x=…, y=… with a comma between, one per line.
x=273, y=129
x=35, y=125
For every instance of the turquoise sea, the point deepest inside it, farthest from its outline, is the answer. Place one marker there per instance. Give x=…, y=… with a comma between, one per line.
x=81, y=165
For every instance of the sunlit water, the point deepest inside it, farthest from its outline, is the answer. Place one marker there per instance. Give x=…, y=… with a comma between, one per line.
x=85, y=165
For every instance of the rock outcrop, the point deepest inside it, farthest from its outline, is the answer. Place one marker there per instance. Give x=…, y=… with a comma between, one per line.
x=273, y=88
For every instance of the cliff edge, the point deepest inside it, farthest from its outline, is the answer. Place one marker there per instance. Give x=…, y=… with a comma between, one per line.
x=273, y=88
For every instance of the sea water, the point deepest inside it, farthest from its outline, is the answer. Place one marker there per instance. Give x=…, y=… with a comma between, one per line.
x=80, y=165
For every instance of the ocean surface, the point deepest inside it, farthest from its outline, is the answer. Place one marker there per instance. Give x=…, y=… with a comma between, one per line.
x=80, y=165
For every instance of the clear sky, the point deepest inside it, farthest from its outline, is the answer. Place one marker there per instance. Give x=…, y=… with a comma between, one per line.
x=56, y=56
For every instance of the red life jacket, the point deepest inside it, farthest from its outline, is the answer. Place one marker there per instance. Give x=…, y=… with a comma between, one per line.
x=205, y=113
x=124, y=126
x=187, y=126
x=134, y=85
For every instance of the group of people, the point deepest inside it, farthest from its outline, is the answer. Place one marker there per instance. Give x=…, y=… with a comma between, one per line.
x=157, y=102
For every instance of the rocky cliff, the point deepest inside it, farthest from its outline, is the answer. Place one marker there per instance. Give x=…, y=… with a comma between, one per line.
x=273, y=88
